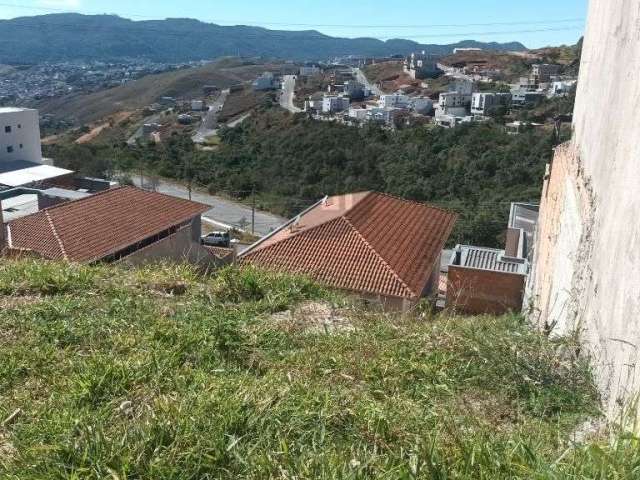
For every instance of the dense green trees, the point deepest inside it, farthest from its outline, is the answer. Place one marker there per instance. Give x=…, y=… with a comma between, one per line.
x=291, y=161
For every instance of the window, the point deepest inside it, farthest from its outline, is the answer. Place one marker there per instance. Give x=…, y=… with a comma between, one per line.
x=19, y=125
x=7, y=129
x=9, y=149
x=21, y=146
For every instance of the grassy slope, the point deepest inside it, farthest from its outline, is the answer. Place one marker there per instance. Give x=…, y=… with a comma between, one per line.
x=217, y=389
x=186, y=83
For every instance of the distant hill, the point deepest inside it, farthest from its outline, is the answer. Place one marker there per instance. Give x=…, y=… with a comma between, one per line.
x=186, y=83
x=66, y=37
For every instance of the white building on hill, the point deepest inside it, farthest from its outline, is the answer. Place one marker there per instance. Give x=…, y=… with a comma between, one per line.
x=335, y=103
x=482, y=103
x=19, y=135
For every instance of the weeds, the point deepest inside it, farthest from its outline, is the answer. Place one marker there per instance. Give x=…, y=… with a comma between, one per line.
x=118, y=378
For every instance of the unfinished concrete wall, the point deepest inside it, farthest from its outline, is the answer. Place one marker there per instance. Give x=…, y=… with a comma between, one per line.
x=586, y=276
x=178, y=247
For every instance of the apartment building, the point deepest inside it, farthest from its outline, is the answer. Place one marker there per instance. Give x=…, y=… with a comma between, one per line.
x=335, y=103
x=483, y=103
x=20, y=135
x=542, y=72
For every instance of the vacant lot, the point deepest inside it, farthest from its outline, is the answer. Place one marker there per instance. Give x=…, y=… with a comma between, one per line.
x=163, y=373
x=241, y=102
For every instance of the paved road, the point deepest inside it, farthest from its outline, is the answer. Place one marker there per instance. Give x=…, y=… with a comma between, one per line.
x=288, y=92
x=225, y=213
x=210, y=123
x=362, y=78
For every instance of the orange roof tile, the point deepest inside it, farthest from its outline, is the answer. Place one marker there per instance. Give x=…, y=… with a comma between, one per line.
x=95, y=227
x=366, y=242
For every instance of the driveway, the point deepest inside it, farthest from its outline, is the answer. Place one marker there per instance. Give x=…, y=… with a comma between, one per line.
x=288, y=93
x=210, y=123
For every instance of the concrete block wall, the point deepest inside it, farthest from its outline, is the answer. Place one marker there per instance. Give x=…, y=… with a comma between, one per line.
x=473, y=291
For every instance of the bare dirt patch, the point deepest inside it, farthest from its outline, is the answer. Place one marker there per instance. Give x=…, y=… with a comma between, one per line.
x=7, y=302
x=98, y=129
x=315, y=317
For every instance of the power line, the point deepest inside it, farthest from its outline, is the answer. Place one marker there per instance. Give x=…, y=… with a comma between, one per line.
x=311, y=25
x=502, y=32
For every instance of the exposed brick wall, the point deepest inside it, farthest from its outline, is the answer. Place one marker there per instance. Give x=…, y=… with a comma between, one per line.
x=482, y=291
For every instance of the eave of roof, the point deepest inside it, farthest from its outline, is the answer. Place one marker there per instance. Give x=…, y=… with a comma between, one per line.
x=57, y=232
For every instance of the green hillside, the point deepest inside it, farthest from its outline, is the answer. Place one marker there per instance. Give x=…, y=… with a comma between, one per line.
x=64, y=37
x=165, y=373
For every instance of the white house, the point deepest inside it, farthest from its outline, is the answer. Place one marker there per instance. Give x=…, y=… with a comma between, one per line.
x=335, y=103
x=420, y=65
x=358, y=113
x=469, y=49
x=20, y=135
x=454, y=103
x=394, y=100
x=309, y=70
x=483, y=102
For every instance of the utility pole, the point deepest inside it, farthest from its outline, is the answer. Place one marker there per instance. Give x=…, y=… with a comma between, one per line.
x=187, y=174
x=253, y=210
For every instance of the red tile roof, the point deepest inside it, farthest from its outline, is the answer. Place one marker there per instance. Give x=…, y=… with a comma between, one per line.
x=366, y=242
x=95, y=227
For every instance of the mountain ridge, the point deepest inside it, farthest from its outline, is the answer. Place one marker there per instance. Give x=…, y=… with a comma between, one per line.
x=55, y=38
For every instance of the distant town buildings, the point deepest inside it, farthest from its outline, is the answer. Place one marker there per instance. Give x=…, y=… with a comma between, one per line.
x=355, y=90
x=521, y=98
x=542, y=72
x=309, y=70
x=266, y=81
x=469, y=49
x=421, y=65
x=20, y=86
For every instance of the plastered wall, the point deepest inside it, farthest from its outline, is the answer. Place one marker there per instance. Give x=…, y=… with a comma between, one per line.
x=586, y=276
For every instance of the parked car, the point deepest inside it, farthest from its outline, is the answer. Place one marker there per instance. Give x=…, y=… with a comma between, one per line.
x=216, y=239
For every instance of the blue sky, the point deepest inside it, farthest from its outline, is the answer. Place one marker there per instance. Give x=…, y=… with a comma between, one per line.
x=535, y=23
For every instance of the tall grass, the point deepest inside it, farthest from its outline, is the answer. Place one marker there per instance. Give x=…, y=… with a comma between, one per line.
x=119, y=374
